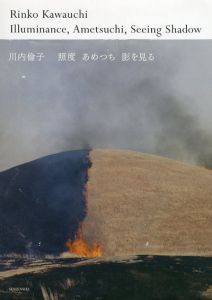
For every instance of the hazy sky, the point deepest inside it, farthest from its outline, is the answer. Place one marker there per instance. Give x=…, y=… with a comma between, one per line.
x=161, y=107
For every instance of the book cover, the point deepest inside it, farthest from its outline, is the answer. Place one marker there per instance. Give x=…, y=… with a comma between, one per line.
x=105, y=150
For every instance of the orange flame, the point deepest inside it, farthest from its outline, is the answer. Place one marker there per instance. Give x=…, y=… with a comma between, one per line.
x=81, y=248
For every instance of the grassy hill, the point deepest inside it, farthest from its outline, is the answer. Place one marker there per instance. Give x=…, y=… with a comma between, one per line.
x=144, y=204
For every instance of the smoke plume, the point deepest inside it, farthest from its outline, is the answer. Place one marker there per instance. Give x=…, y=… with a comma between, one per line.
x=161, y=107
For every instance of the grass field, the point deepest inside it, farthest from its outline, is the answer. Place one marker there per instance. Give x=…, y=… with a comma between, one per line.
x=126, y=278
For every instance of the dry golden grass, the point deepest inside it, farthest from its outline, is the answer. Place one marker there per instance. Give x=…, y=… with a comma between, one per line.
x=144, y=204
x=48, y=294
x=207, y=295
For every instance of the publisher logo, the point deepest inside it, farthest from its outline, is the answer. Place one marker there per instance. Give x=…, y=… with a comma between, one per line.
x=18, y=289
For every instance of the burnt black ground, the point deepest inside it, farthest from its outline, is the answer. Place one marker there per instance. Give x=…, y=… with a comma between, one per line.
x=42, y=203
x=145, y=277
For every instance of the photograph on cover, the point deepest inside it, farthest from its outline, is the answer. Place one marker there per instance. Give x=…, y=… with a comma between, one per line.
x=105, y=169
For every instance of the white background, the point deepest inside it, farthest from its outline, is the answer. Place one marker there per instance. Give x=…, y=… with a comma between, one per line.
x=156, y=13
